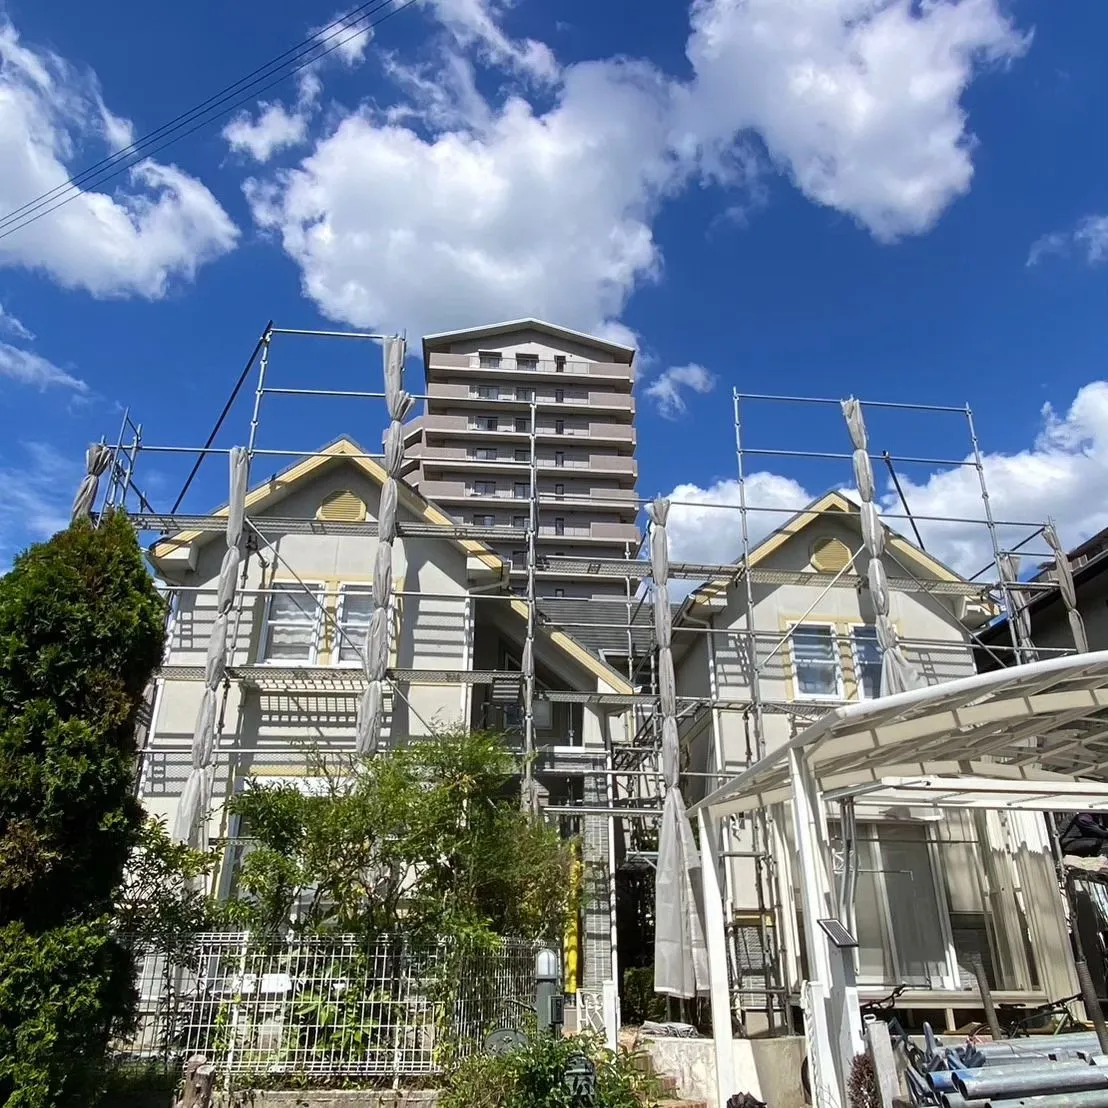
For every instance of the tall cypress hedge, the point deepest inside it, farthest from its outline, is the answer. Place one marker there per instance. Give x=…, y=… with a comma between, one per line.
x=81, y=628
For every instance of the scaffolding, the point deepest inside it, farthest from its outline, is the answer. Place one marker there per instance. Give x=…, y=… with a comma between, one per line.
x=624, y=780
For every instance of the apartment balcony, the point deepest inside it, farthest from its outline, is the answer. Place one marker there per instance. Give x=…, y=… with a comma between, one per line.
x=619, y=405
x=588, y=533
x=509, y=367
x=602, y=465
x=622, y=434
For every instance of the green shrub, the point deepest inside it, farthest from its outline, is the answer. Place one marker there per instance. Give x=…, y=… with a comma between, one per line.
x=81, y=631
x=534, y=1077
x=639, y=1001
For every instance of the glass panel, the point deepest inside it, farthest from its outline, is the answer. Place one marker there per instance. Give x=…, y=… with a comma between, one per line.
x=874, y=958
x=913, y=906
x=355, y=613
x=867, y=662
x=488, y=359
x=817, y=668
x=291, y=624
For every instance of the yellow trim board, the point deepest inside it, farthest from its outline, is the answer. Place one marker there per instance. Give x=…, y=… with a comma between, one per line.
x=830, y=502
x=343, y=448
x=569, y=645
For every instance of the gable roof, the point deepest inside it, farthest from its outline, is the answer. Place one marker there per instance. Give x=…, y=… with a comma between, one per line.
x=829, y=502
x=344, y=448
x=620, y=352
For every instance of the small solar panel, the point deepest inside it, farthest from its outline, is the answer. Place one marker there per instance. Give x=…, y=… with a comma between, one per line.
x=838, y=934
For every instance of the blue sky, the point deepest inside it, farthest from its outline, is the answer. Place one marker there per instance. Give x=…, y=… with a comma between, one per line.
x=901, y=201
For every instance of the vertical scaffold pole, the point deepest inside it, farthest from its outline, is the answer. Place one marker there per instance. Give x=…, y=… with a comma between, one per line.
x=529, y=797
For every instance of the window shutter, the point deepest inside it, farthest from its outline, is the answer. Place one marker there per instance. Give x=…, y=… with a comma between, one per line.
x=342, y=507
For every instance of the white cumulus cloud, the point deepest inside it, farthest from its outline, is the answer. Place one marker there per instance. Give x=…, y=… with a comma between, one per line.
x=858, y=101
x=9, y=325
x=476, y=23
x=274, y=128
x=156, y=224
x=1089, y=238
x=27, y=368
x=666, y=390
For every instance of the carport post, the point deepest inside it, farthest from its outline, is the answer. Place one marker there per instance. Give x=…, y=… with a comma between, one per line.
x=715, y=940
x=833, y=1022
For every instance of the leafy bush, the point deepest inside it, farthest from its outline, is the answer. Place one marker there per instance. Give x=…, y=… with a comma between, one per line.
x=81, y=630
x=534, y=1077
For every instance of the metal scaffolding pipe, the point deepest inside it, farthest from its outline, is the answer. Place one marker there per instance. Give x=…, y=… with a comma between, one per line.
x=1015, y=1081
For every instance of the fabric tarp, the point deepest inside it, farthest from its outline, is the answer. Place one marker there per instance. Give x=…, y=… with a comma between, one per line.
x=897, y=673
x=1063, y=571
x=196, y=796
x=97, y=458
x=1010, y=572
x=376, y=653
x=680, y=956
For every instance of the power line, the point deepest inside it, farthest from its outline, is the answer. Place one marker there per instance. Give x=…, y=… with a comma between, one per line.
x=211, y=109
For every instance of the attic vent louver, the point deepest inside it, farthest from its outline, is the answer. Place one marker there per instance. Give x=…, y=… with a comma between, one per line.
x=829, y=555
x=342, y=507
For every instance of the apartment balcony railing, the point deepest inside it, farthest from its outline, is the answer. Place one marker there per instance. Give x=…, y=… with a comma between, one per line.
x=507, y=364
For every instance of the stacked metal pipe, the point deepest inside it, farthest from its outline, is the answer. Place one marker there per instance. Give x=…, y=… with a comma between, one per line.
x=897, y=673
x=196, y=796
x=680, y=956
x=376, y=653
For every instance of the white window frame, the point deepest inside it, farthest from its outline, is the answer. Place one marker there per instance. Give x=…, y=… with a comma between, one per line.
x=320, y=592
x=489, y=359
x=855, y=660
x=794, y=675
x=362, y=587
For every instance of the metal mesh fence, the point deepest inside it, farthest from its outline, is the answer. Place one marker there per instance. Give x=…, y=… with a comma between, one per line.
x=326, y=1007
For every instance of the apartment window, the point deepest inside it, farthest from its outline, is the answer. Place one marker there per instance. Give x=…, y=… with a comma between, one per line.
x=523, y=423
x=525, y=394
x=519, y=559
x=488, y=359
x=559, y=457
x=485, y=453
x=559, y=363
x=487, y=392
x=867, y=661
x=521, y=490
x=559, y=426
x=355, y=610
x=488, y=423
x=559, y=525
x=559, y=592
x=522, y=454
x=559, y=396
x=484, y=521
x=559, y=490
x=484, y=488
x=521, y=522
x=816, y=661
x=292, y=623
x=527, y=361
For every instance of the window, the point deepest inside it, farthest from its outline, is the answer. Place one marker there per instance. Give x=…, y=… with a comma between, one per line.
x=559, y=490
x=559, y=592
x=521, y=490
x=559, y=396
x=523, y=454
x=484, y=521
x=867, y=661
x=354, y=613
x=488, y=359
x=488, y=423
x=523, y=423
x=559, y=525
x=484, y=488
x=559, y=426
x=344, y=506
x=525, y=394
x=816, y=661
x=559, y=457
x=292, y=623
x=487, y=392
x=542, y=712
x=485, y=453
x=527, y=361
x=519, y=559
x=559, y=363
x=521, y=522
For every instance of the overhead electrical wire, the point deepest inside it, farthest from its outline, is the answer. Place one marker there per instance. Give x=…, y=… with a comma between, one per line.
x=216, y=106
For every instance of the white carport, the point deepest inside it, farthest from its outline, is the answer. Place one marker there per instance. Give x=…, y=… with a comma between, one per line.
x=1030, y=738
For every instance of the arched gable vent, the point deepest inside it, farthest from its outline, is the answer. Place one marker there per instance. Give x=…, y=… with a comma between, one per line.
x=342, y=507
x=830, y=555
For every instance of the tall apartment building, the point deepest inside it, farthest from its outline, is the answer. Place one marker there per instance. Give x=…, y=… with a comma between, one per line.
x=470, y=452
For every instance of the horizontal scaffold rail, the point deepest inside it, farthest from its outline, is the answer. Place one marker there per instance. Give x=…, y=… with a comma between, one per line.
x=636, y=569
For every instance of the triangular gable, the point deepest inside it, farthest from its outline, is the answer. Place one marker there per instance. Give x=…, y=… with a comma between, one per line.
x=279, y=486
x=830, y=502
